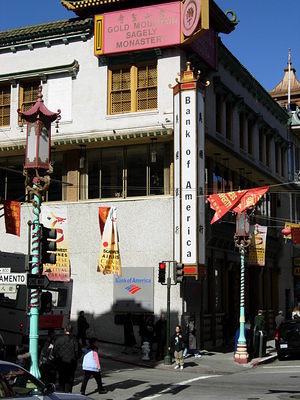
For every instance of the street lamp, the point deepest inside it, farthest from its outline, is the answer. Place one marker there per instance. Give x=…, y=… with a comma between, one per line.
x=242, y=239
x=37, y=172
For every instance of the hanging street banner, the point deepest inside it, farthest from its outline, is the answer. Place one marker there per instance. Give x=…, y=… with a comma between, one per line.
x=109, y=260
x=55, y=217
x=238, y=201
x=295, y=233
x=12, y=216
x=155, y=26
x=257, y=248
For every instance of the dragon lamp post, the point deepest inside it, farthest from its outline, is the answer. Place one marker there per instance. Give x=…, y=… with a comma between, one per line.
x=242, y=239
x=37, y=172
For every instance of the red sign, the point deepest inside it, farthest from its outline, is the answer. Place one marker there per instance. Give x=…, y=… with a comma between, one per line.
x=12, y=213
x=141, y=28
x=295, y=235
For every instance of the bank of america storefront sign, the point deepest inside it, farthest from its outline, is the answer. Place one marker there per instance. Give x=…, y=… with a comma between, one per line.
x=189, y=201
x=133, y=291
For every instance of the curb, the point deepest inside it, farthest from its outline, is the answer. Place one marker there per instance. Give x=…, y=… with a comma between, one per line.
x=264, y=360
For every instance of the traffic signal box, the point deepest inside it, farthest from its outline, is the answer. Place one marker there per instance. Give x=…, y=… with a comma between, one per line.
x=48, y=244
x=162, y=272
x=179, y=272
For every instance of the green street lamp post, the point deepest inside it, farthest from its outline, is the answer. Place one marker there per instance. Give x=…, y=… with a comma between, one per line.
x=37, y=172
x=242, y=239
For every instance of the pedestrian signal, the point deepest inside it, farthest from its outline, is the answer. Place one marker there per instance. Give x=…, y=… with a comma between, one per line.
x=179, y=272
x=162, y=272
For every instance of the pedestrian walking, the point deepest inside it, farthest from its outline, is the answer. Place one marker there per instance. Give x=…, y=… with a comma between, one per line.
x=296, y=312
x=259, y=331
x=129, y=338
x=161, y=335
x=91, y=367
x=23, y=356
x=191, y=341
x=279, y=319
x=47, y=361
x=66, y=352
x=82, y=327
x=177, y=346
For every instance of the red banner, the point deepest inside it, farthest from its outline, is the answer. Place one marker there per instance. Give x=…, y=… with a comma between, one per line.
x=12, y=216
x=238, y=201
x=223, y=202
x=250, y=198
x=103, y=213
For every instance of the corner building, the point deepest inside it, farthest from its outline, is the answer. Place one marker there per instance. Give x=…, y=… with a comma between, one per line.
x=114, y=147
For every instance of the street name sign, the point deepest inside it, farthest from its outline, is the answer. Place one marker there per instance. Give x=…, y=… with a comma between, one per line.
x=35, y=281
x=15, y=279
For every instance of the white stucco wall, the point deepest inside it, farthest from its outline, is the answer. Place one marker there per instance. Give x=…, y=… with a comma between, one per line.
x=145, y=230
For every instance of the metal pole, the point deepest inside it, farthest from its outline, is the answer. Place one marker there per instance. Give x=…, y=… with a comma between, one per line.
x=34, y=293
x=167, y=359
x=241, y=355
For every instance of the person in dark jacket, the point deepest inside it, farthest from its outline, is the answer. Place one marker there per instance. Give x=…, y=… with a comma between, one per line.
x=66, y=353
x=129, y=338
x=177, y=346
x=91, y=367
x=82, y=327
x=47, y=361
x=161, y=334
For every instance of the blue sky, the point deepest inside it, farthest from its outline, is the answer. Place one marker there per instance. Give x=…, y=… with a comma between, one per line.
x=267, y=29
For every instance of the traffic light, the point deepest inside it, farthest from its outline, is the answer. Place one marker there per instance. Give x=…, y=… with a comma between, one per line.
x=48, y=243
x=46, y=302
x=162, y=272
x=179, y=272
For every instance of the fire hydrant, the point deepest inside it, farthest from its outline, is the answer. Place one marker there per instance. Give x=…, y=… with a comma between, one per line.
x=145, y=351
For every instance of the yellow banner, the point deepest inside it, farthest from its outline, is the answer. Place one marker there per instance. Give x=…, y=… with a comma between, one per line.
x=55, y=217
x=290, y=225
x=109, y=260
x=257, y=248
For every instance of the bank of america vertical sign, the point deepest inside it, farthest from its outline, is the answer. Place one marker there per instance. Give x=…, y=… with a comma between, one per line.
x=189, y=206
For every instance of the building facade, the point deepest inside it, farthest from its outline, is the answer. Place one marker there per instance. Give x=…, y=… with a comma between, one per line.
x=114, y=147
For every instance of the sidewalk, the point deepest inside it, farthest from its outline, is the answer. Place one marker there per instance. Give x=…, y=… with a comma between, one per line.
x=211, y=362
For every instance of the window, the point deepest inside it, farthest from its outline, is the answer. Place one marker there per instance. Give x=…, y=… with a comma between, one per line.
x=54, y=193
x=137, y=170
x=12, y=183
x=219, y=113
x=112, y=172
x=268, y=150
x=228, y=120
x=277, y=155
x=261, y=145
x=132, y=88
x=250, y=136
x=242, y=130
x=28, y=94
x=4, y=105
x=282, y=161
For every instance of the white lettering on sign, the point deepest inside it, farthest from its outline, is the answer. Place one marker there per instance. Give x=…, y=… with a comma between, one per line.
x=5, y=270
x=188, y=177
x=17, y=279
x=177, y=184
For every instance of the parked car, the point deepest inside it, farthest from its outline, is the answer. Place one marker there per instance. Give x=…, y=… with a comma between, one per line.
x=16, y=382
x=287, y=339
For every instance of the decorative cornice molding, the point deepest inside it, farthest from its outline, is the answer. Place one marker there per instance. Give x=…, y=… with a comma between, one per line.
x=43, y=73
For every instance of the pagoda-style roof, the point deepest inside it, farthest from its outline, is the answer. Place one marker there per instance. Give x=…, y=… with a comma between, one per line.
x=281, y=90
x=219, y=21
x=49, y=30
x=39, y=111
